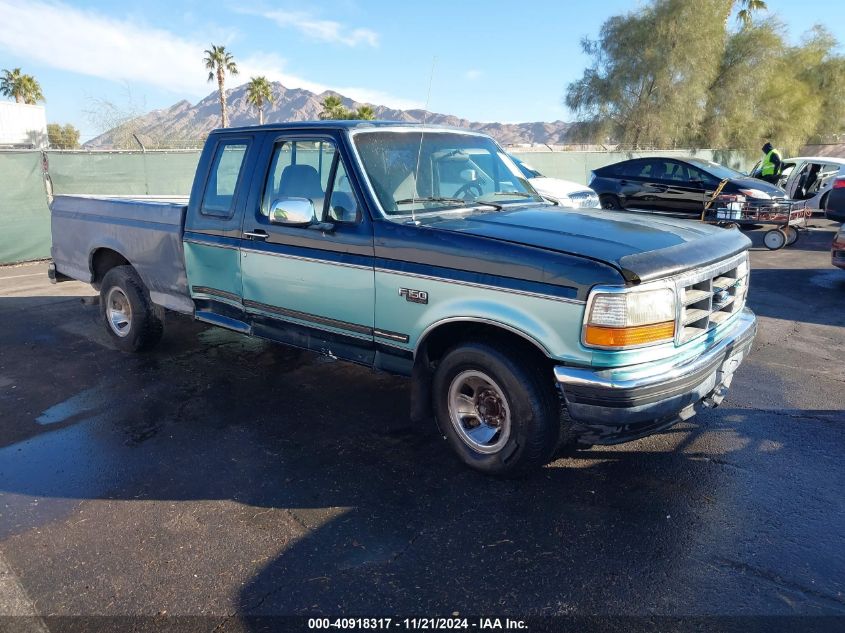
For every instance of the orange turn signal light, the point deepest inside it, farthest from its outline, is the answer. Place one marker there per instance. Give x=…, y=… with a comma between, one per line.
x=629, y=336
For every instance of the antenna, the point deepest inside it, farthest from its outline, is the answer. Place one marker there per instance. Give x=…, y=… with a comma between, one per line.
x=422, y=134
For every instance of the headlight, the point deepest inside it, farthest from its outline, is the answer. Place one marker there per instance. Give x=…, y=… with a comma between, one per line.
x=756, y=193
x=616, y=320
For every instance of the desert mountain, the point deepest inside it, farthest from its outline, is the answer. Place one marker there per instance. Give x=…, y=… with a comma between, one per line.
x=182, y=122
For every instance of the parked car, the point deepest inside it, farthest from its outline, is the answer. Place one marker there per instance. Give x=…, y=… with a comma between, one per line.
x=809, y=178
x=423, y=251
x=837, y=249
x=835, y=203
x=564, y=193
x=673, y=184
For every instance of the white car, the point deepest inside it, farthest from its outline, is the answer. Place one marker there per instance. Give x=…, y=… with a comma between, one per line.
x=565, y=193
x=809, y=178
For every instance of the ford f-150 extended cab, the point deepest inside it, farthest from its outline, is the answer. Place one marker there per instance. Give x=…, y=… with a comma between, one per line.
x=423, y=251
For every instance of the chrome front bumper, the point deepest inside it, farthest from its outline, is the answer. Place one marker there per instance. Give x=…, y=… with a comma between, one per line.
x=609, y=406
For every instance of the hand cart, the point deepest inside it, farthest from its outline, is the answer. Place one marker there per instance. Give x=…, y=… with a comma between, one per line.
x=733, y=211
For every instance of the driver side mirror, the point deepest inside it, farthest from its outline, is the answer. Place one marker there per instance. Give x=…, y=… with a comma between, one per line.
x=293, y=212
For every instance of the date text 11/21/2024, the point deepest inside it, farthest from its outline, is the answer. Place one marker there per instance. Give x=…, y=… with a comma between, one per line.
x=418, y=623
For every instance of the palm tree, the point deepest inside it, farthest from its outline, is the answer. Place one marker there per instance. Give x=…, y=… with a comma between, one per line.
x=24, y=88
x=333, y=108
x=10, y=84
x=747, y=9
x=31, y=90
x=365, y=113
x=259, y=92
x=219, y=62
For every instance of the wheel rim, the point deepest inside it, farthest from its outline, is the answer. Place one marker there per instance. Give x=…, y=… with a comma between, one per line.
x=479, y=411
x=118, y=312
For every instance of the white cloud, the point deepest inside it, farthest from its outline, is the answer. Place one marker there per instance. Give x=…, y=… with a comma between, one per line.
x=89, y=43
x=271, y=65
x=473, y=74
x=322, y=30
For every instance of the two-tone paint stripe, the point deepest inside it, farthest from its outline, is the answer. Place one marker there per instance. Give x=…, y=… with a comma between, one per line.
x=287, y=313
x=566, y=294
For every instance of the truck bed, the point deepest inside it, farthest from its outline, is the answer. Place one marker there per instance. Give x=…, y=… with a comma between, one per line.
x=144, y=230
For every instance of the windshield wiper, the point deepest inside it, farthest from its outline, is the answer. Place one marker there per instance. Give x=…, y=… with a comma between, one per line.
x=431, y=199
x=458, y=201
x=518, y=194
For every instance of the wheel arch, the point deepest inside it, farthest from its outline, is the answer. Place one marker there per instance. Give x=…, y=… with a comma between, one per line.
x=439, y=337
x=102, y=260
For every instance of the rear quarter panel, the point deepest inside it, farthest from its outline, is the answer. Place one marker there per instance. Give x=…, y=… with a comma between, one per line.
x=148, y=234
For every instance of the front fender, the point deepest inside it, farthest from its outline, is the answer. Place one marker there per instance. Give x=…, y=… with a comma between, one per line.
x=552, y=324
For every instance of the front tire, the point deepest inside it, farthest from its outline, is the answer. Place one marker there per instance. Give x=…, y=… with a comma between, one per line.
x=774, y=239
x=132, y=320
x=498, y=413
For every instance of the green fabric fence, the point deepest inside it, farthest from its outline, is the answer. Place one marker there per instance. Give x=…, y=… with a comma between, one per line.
x=25, y=215
x=24, y=211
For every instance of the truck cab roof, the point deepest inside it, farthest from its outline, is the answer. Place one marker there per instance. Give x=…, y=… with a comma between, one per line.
x=336, y=124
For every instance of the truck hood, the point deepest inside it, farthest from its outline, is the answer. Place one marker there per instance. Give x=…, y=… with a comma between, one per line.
x=641, y=246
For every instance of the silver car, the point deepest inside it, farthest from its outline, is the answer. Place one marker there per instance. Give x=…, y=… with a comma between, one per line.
x=809, y=178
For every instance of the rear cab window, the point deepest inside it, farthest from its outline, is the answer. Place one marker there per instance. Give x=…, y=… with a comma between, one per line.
x=226, y=172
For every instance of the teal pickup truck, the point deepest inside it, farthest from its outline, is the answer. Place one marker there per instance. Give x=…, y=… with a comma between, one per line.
x=423, y=251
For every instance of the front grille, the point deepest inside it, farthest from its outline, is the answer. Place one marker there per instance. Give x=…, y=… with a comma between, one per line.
x=709, y=297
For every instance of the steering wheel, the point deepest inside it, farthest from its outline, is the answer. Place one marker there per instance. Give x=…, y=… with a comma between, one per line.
x=466, y=192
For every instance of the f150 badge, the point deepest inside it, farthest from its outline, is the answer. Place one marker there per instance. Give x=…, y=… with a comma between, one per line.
x=414, y=296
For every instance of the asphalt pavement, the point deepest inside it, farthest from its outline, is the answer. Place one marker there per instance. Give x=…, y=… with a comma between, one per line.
x=224, y=477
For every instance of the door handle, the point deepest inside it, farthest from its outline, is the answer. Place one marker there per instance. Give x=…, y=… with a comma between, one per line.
x=256, y=234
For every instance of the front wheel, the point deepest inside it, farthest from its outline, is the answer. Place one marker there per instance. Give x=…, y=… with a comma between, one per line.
x=133, y=321
x=774, y=239
x=499, y=413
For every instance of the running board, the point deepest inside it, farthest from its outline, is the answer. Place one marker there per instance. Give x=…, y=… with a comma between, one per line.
x=223, y=321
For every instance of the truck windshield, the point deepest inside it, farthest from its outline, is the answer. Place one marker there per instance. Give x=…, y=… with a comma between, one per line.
x=429, y=172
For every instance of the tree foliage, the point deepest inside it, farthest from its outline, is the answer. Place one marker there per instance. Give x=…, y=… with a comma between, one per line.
x=259, y=92
x=333, y=109
x=670, y=75
x=218, y=61
x=22, y=88
x=62, y=136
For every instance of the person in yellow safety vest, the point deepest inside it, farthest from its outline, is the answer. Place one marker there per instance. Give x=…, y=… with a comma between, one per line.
x=771, y=166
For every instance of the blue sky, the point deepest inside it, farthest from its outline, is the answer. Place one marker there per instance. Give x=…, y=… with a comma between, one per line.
x=496, y=60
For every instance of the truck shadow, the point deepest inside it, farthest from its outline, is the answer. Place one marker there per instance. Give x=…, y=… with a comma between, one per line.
x=783, y=293
x=358, y=510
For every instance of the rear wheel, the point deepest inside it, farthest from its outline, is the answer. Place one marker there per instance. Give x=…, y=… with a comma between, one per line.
x=791, y=235
x=498, y=413
x=774, y=239
x=609, y=202
x=133, y=321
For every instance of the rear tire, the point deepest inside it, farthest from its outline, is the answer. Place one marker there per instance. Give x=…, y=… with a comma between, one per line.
x=134, y=323
x=609, y=202
x=498, y=411
x=791, y=235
